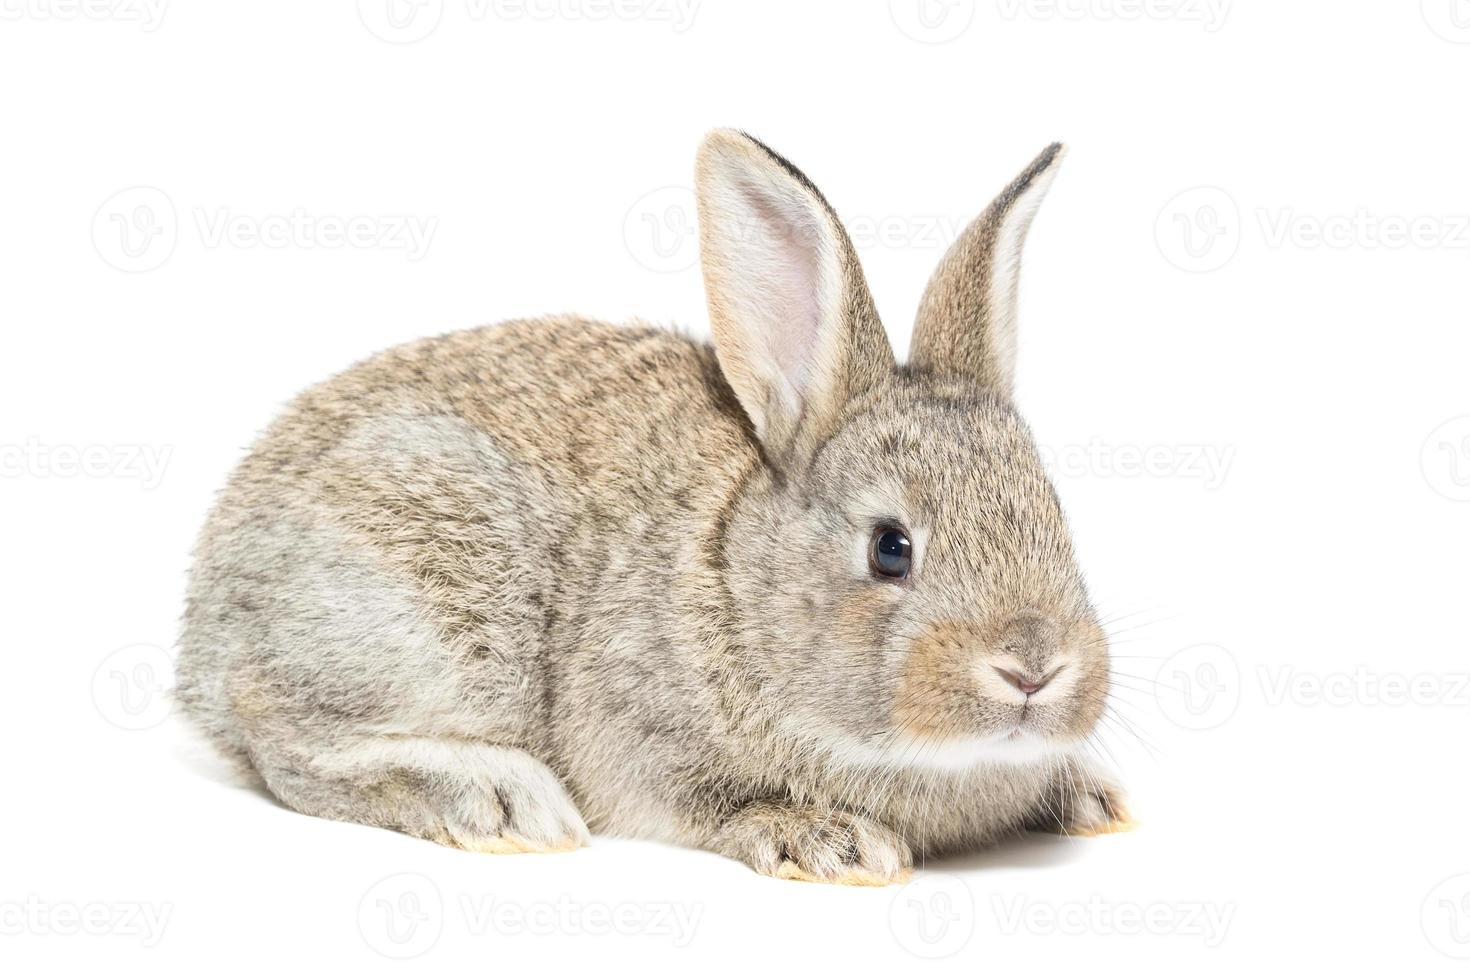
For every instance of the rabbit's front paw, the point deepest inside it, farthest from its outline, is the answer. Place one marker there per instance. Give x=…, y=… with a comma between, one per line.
x=1085, y=803
x=810, y=844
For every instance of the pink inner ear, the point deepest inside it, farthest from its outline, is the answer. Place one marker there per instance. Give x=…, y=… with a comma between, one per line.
x=782, y=247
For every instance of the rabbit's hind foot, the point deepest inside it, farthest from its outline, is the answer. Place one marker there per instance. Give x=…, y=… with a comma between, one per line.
x=486, y=798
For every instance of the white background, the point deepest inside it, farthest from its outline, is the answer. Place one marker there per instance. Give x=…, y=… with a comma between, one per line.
x=1244, y=346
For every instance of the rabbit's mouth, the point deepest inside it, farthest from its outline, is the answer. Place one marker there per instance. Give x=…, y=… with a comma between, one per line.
x=983, y=702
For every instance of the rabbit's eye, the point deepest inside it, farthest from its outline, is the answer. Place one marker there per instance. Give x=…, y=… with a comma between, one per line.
x=890, y=554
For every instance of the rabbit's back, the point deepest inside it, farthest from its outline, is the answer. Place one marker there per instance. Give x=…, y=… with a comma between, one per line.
x=415, y=545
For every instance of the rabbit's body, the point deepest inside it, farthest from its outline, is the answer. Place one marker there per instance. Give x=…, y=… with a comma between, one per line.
x=495, y=588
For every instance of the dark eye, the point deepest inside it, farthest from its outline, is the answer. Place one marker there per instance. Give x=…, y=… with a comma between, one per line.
x=891, y=554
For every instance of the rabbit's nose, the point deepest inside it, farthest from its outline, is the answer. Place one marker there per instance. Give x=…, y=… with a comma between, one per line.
x=1027, y=683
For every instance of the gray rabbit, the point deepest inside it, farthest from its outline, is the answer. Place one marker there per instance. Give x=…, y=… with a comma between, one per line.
x=779, y=597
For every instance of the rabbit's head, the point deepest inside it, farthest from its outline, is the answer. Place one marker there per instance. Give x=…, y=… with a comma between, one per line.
x=901, y=568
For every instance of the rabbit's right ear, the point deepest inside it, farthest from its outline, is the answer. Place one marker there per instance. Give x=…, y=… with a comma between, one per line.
x=795, y=328
x=966, y=325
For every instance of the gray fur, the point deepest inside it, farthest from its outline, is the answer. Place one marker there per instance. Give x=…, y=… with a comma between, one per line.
x=502, y=586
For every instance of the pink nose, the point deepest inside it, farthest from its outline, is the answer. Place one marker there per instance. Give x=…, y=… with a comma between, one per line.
x=1025, y=683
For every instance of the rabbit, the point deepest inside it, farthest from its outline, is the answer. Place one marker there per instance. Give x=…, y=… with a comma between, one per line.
x=778, y=597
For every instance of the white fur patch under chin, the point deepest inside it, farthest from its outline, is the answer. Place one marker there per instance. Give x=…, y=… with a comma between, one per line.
x=954, y=754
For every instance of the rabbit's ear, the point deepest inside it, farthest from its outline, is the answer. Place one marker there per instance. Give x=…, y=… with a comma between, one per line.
x=794, y=325
x=966, y=324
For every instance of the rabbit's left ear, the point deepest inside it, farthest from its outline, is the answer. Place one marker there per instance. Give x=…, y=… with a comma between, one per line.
x=795, y=327
x=966, y=324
